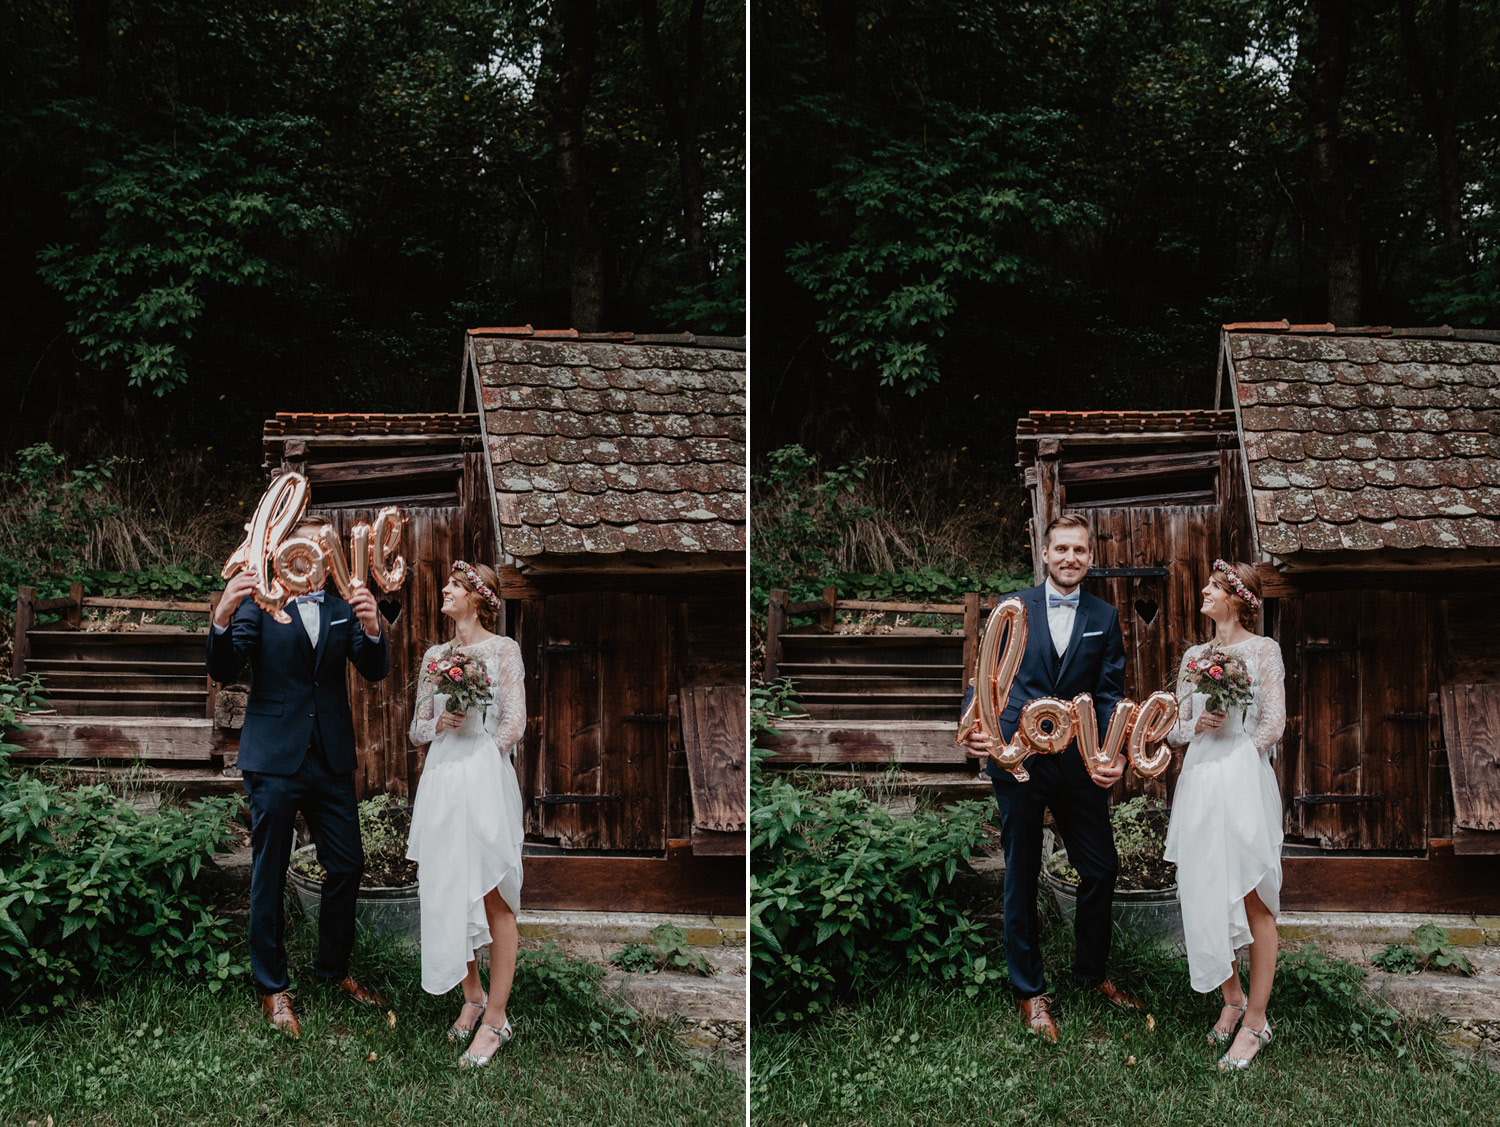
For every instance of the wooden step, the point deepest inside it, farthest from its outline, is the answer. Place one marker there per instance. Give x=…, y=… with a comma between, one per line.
x=138, y=645
x=874, y=641
x=865, y=711
x=125, y=682
x=141, y=708
x=877, y=686
x=835, y=666
x=91, y=664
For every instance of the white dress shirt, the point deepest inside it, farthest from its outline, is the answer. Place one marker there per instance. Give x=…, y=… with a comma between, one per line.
x=309, y=612
x=1060, y=621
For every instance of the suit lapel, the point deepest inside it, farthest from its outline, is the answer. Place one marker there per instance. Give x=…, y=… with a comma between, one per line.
x=1040, y=634
x=324, y=614
x=1080, y=624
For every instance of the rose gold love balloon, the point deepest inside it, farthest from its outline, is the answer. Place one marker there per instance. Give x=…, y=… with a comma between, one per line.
x=387, y=570
x=1154, y=721
x=993, y=678
x=1047, y=724
x=277, y=513
x=300, y=565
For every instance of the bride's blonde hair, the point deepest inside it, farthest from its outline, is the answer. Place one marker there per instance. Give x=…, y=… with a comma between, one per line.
x=1246, y=574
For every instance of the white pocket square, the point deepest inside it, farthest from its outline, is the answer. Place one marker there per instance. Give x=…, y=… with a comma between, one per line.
x=1092, y=633
x=337, y=621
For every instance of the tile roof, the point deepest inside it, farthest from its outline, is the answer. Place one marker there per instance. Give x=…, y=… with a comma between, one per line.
x=1369, y=439
x=609, y=443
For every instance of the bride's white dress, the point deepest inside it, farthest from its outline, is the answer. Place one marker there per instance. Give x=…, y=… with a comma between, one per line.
x=1225, y=835
x=466, y=825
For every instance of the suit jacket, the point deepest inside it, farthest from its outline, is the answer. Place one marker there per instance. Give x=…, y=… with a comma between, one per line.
x=1094, y=661
x=298, y=692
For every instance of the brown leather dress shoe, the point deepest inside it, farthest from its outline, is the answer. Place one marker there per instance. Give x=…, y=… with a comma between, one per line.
x=278, y=1008
x=1120, y=997
x=1038, y=1016
x=359, y=993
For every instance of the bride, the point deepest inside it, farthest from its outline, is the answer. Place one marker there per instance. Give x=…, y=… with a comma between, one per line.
x=1225, y=835
x=466, y=828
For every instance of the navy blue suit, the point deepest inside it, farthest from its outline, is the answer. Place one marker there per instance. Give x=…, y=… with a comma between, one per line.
x=1094, y=662
x=297, y=753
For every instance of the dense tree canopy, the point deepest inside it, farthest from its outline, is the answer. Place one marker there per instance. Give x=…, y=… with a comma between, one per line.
x=215, y=210
x=1055, y=203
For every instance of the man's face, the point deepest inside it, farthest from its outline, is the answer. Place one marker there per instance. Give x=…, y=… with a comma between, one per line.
x=1067, y=557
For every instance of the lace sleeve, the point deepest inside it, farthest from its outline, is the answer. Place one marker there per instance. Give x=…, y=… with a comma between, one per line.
x=1182, y=731
x=424, y=719
x=1271, y=690
x=507, y=722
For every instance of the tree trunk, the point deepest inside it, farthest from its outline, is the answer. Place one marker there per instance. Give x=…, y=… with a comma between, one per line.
x=1437, y=90
x=682, y=120
x=91, y=29
x=580, y=41
x=1330, y=179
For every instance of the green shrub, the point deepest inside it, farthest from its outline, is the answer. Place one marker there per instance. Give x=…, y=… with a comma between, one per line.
x=90, y=886
x=1435, y=948
x=1397, y=958
x=844, y=896
x=668, y=948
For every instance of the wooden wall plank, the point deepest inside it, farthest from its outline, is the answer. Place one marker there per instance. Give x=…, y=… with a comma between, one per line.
x=1393, y=697
x=1471, y=725
x=1331, y=713
x=679, y=883
x=633, y=708
x=1441, y=882
x=572, y=746
x=713, y=718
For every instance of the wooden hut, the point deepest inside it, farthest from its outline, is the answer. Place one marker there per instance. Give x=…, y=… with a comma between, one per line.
x=1372, y=468
x=616, y=478
x=1164, y=493
x=1360, y=469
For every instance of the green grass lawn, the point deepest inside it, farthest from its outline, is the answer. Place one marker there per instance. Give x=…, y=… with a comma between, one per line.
x=152, y=1049
x=919, y=1054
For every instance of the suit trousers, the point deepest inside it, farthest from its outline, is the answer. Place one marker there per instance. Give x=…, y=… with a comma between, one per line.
x=1080, y=811
x=327, y=801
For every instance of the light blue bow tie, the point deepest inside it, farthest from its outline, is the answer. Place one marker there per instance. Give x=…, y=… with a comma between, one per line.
x=313, y=597
x=1062, y=600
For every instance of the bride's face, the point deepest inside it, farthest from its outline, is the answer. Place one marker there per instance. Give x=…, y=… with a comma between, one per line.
x=1215, y=601
x=459, y=602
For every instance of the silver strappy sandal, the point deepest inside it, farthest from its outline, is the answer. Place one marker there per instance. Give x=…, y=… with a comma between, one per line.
x=468, y=1060
x=1227, y=1062
x=1217, y=1038
x=460, y=1036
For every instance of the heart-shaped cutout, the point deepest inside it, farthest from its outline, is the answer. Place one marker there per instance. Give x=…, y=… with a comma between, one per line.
x=1146, y=609
x=390, y=609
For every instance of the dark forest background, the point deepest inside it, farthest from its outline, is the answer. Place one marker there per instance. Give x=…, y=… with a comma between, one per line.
x=212, y=210
x=966, y=211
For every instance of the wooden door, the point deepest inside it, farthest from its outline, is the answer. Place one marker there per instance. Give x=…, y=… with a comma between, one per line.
x=601, y=777
x=1361, y=780
x=1150, y=564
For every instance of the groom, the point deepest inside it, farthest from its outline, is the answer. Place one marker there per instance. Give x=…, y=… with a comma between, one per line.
x=1073, y=646
x=297, y=753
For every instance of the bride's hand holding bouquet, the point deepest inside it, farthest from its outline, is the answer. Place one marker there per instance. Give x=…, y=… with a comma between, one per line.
x=465, y=681
x=1225, y=683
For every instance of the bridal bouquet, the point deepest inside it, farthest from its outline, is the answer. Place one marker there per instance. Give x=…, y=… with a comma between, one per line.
x=463, y=678
x=1224, y=678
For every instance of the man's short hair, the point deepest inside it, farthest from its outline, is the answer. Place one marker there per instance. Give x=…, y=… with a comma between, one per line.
x=1068, y=520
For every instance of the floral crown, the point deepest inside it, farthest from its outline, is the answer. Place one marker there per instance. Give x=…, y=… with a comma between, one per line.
x=1234, y=581
x=480, y=589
